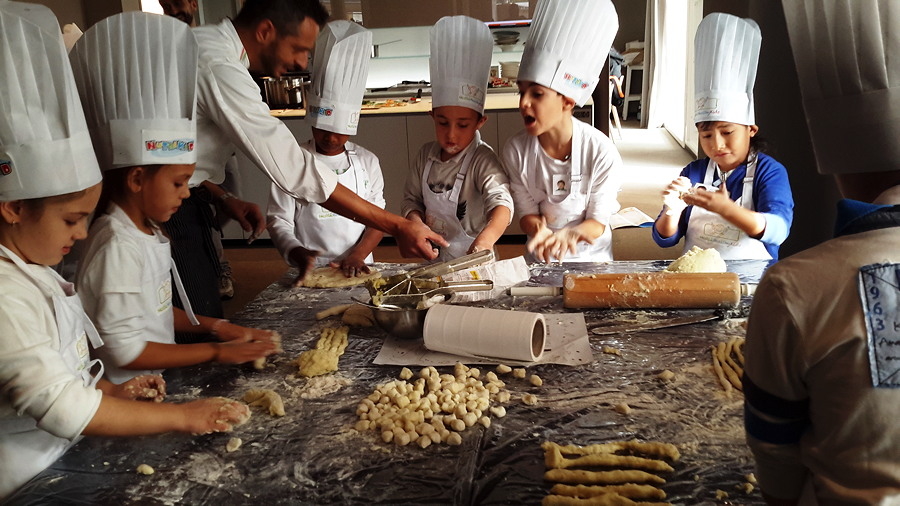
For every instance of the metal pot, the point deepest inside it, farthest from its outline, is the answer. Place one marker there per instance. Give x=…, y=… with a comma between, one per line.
x=286, y=92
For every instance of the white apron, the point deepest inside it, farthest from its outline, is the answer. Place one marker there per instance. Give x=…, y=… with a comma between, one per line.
x=330, y=234
x=440, y=208
x=25, y=449
x=156, y=298
x=709, y=230
x=570, y=210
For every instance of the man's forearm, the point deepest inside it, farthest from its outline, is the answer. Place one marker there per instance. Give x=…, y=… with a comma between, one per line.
x=350, y=205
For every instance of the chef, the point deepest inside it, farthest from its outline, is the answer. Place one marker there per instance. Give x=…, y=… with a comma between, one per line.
x=305, y=233
x=457, y=185
x=272, y=37
x=821, y=374
x=564, y=174
x=744, y=207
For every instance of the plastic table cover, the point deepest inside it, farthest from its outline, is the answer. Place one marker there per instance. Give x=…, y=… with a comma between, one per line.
x=313, y=455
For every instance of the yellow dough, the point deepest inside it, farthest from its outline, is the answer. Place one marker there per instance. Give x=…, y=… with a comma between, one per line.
x=265, y=398
x=323, y=359
x=358, y=315
x=698, y=260
x=587, y=477
x=630, y=490
x=329, y=277
x=554, y=460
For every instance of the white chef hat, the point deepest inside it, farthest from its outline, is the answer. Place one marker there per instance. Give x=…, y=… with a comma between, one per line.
x=45, y=148
x=847, y=55
x=568, y=45
x=137, y=77
x=460, y=62
x=340, y=69
x=726, y=53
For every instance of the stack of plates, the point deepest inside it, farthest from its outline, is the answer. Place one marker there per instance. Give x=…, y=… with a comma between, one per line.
x=504, y=37
x=509, y=69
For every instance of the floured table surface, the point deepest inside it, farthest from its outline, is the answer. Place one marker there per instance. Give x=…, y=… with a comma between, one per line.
x=313, y=455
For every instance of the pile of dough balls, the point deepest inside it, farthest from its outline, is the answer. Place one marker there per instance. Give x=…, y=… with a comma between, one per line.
x=435, y=407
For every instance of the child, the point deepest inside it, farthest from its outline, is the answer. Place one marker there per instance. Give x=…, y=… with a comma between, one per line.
x=50, y=185
x=144, y=143
x=564, y=174
x=307, y=234
x=721, y=217
x=458, y=186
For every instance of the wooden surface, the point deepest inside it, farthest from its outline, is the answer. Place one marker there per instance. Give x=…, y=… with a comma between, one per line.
x=652, y=290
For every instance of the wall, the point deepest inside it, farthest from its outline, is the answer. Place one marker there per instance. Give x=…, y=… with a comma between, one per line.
x=632, y=20
x=67, y=11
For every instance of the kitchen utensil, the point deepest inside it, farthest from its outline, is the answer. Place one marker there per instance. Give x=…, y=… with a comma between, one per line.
x=435, y=270
x=647, y=290
x=286, y=92
x=401, y=322
x=425, y=292
x=653, y=321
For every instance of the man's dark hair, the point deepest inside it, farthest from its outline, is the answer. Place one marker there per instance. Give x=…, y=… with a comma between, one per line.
x=285, y=15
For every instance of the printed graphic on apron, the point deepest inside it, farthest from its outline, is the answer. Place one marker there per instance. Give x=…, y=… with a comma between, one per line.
x=721, y=233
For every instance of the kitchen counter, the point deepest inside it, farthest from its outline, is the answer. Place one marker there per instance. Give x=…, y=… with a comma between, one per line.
x=313, y=454
x=493, y=102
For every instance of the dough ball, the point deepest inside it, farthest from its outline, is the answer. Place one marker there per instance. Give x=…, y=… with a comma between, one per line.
x=145, y=469
x=233, y=444
x=698, y=260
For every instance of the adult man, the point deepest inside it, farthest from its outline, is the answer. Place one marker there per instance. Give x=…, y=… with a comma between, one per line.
x=181, y=9
x=822, y=364
x=271, y=37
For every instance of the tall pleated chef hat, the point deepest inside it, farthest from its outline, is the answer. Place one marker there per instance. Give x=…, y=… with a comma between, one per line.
x=460, y=62
x=137, y=77
x=847, y=55
x=568, y=45
x=340, y=69
x=45, y=148
x=726, y=53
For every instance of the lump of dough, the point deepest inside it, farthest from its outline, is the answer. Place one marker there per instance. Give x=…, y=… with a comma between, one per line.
x=265, y=398
x=329, y=277
x=145, y=469
x=233, y=444
x=698, y=260
x=358, y=315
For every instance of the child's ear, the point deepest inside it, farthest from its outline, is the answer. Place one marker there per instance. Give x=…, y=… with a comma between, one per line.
x=753, y=130
x=568, y=103
x=481, y=122
x=135, y=179
x=12, y=211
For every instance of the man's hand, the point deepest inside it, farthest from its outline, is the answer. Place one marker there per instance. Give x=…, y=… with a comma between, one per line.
x=415, y=239
x=305, y=260
x=247, y=214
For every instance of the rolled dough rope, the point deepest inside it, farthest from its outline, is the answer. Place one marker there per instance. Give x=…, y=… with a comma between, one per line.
x=739, y=350
x=605, y=477
x=729, y=348
x=729, y=372
x=554, y=459
x=600, y=500
x=332, y=311
x=654, y=449
x=719, y=372
x=630, y=490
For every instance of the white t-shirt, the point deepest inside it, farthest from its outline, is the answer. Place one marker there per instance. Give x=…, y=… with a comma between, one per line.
x=288, y=219
x=124, y=281
x=43, y=404
x=231, y=114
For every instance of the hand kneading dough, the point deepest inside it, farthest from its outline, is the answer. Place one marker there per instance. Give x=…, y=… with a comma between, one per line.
x=329, y=277
x=698, y=260
x=265, y=398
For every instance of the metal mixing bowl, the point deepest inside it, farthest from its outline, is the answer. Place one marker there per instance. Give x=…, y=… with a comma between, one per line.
x=401, y=322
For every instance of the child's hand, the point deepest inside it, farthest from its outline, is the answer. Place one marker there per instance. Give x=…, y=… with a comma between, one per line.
x=216, y=414
x=713, y=201
x=556, y=244
x=227, y=331
x=147, y=387
x=305, y=260
x=239, y=352
x=351, y=266
x=479, y=246
x=672, y=195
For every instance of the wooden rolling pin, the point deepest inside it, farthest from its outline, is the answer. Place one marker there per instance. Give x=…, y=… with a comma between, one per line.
x=652, y=290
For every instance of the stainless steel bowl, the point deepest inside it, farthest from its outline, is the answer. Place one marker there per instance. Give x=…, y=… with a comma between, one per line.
x=405, y=323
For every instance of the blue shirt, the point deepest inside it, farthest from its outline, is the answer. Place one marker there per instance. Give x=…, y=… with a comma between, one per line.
x=771, y=197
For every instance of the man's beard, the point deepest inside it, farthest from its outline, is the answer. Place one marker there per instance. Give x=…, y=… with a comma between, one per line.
x=187, y=17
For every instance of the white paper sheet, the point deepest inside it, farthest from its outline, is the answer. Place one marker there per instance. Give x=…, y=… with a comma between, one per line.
x=629, y=217
x=567, y=344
